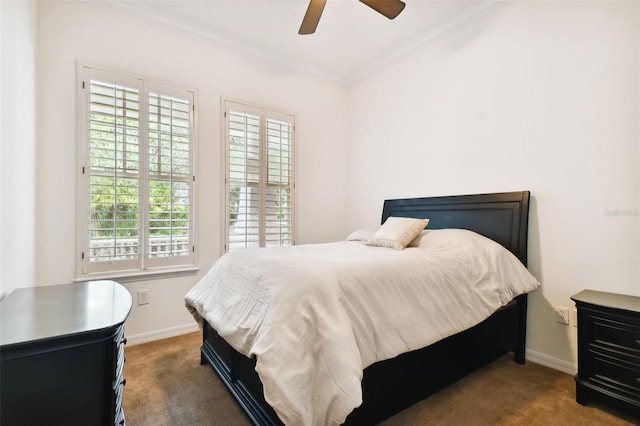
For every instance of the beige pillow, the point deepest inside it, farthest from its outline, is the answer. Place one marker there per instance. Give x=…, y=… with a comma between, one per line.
x=418, y=241
x=397, y=232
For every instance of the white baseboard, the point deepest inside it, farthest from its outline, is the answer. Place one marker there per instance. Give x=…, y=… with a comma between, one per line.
x=150, y=336
x=551, y=362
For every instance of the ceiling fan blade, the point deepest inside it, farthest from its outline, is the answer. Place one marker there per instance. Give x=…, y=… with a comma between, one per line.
x=312, y=17
x=389, y=8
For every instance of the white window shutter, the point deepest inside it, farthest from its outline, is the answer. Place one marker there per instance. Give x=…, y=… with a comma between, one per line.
x=259, y=177
x=136, y=205
x=278, y=190
x=113, y=173
x=170, y=176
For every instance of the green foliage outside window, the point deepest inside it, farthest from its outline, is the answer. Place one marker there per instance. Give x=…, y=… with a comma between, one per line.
x=114, y=208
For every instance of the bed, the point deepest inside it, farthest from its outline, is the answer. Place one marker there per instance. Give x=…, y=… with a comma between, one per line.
x=391, y=385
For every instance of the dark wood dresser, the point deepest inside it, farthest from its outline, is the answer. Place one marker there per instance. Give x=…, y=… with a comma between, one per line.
x=62, y=354
x=608, y=349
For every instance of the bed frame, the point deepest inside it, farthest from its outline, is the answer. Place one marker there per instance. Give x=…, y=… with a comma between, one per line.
x=392, y=385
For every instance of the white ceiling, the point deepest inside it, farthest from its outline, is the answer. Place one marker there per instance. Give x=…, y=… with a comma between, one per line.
x=351, y=40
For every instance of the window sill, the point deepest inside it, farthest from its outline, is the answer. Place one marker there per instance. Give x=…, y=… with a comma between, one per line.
x=132, y=276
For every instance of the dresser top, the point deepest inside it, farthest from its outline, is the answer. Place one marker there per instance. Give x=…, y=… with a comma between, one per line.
x=38, y=313
x=608, y=300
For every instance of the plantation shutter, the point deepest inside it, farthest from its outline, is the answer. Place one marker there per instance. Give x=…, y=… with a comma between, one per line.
x=278, y=189
x=259, y=180
x=243, y=180
x=170, y=175
x=114, y=172
x=137, y=197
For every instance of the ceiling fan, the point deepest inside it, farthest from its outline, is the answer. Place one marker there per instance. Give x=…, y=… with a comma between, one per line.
x=388, y=8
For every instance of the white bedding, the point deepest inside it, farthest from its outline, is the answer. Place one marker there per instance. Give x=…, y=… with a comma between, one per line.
x=317, y=315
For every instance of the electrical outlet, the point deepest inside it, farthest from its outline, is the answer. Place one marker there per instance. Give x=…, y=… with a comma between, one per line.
x=143, y=297
x=562, y=315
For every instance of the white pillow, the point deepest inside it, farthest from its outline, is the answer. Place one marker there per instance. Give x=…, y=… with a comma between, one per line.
x=363, y=234
x=435, y=239
x=397, y=232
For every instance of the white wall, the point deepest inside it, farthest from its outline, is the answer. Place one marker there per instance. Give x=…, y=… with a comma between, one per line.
x=18, y=149
x=537, y=95
x=72, y=31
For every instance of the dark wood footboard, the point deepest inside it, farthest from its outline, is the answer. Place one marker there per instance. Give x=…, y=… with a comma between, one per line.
x=238, y=374
x=392, y=385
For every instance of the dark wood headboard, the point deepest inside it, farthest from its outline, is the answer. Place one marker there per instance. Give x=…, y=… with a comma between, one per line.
x=503, y=217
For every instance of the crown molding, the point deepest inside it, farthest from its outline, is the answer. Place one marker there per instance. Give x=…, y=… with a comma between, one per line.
x=445, y=29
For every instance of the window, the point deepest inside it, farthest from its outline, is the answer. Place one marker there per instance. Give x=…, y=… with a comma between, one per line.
x=259, y=177
x=136, y=195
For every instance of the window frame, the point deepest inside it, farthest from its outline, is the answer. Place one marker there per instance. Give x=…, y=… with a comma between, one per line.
x=145, y=266
x=264, y=113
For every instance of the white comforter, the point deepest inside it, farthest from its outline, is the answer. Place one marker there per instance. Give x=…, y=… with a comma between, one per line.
x=317, y=315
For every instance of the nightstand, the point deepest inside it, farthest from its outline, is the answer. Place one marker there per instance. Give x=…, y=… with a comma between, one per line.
x=62, y=354
x=608, y=349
